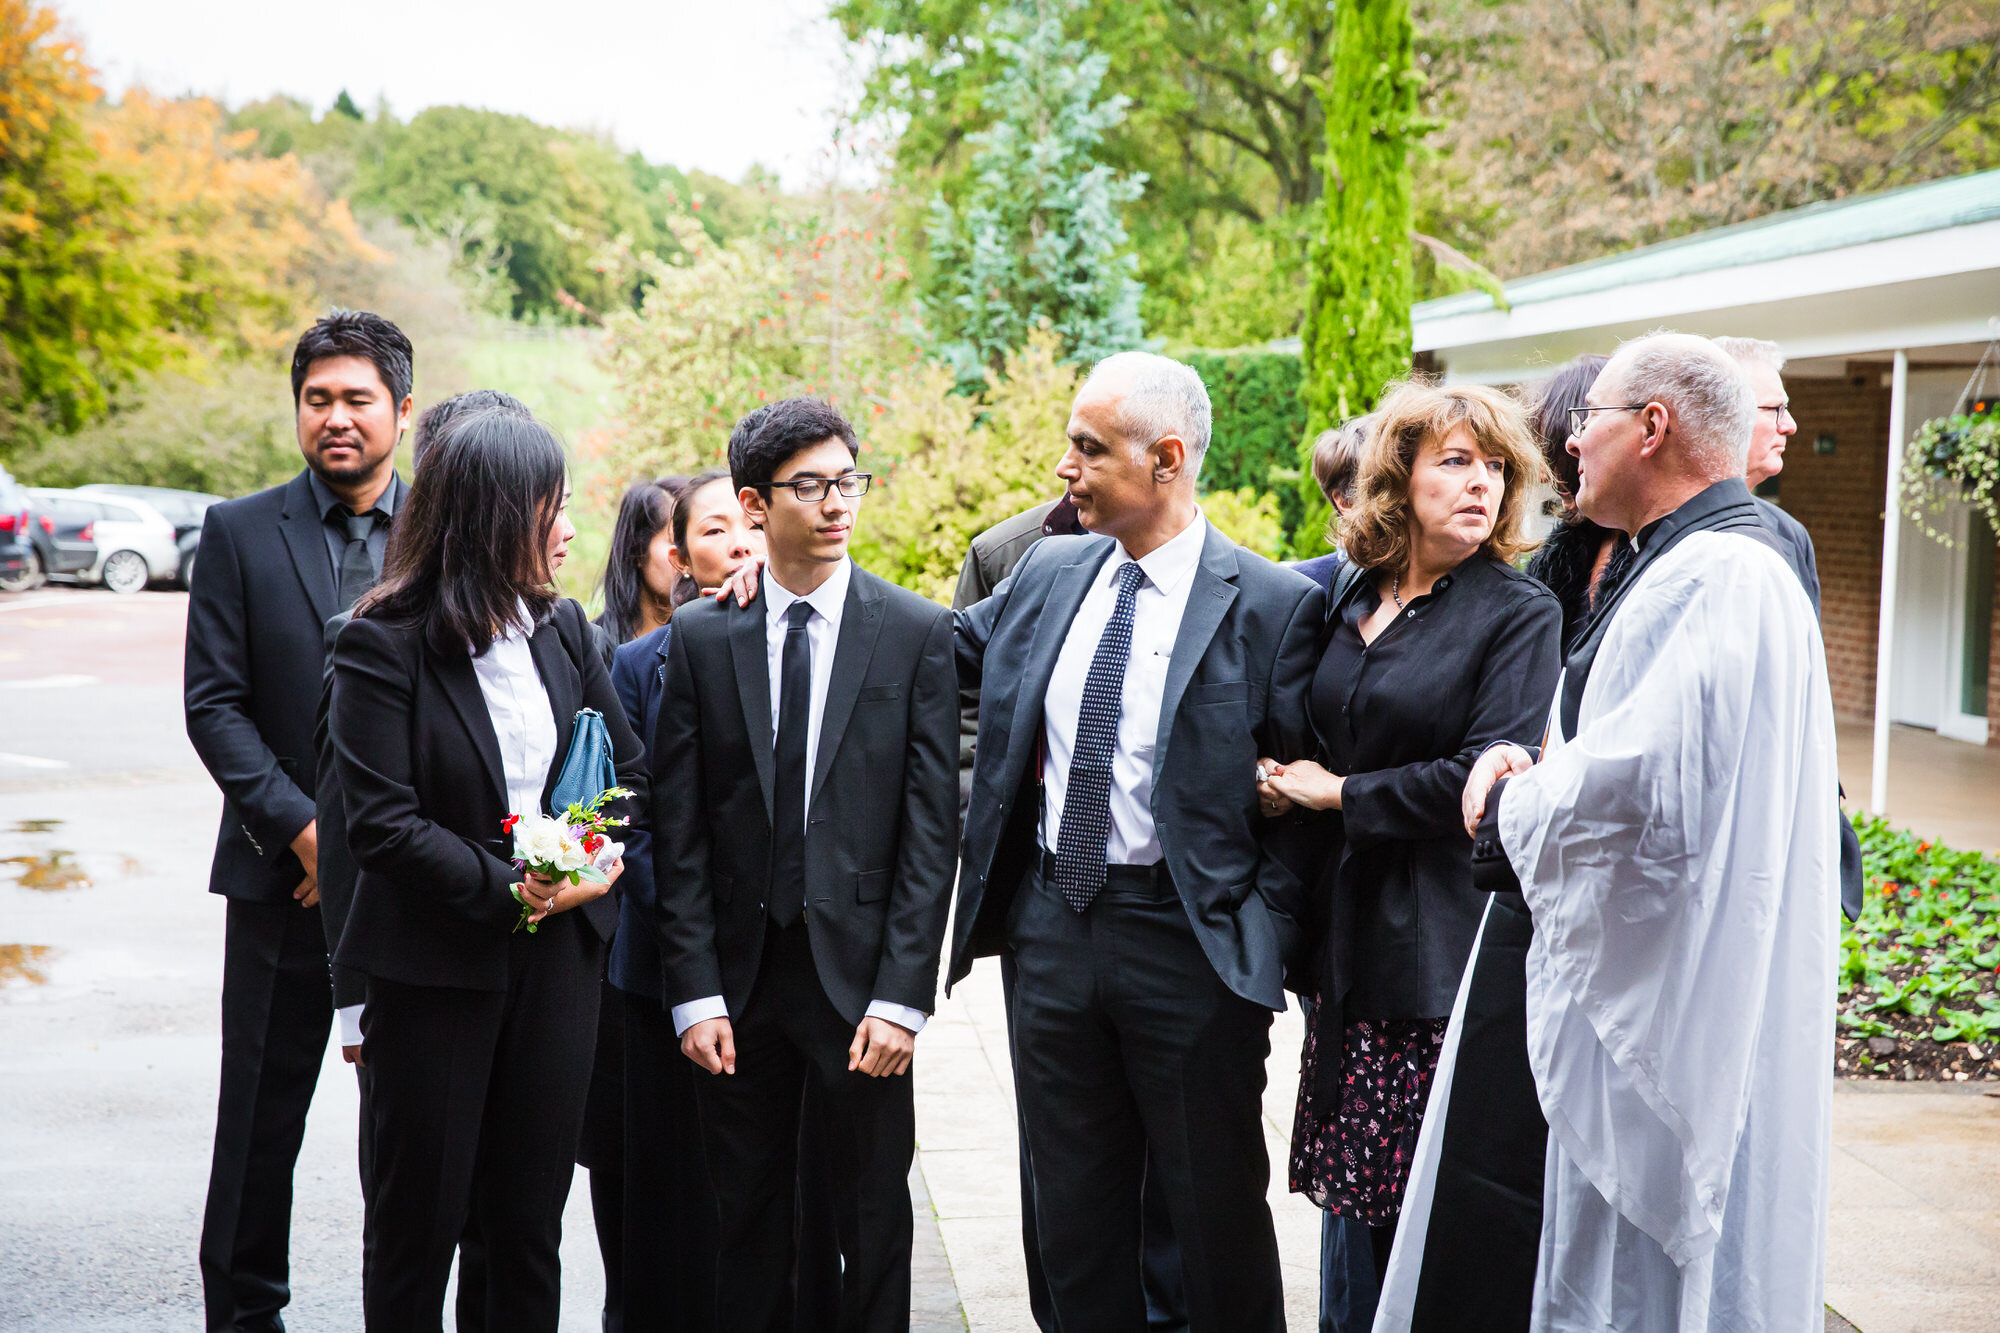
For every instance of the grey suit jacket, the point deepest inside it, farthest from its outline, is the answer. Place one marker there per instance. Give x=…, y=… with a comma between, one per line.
x=1236, y=688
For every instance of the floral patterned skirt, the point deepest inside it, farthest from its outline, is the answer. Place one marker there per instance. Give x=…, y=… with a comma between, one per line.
x=1353, y=1159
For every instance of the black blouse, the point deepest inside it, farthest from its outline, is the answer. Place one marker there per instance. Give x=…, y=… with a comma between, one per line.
x=1472, y=662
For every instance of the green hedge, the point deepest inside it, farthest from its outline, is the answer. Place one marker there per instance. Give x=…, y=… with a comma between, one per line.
x=1259, y=422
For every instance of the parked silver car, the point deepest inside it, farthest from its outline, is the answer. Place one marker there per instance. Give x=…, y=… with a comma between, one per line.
x=184, y=509
x=135, y=542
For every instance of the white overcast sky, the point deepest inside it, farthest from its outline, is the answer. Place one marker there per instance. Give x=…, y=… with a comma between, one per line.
x=717, y=85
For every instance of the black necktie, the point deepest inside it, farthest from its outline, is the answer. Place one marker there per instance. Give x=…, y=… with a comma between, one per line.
x=788, y=800
x=1086, y=808
x=357, y=574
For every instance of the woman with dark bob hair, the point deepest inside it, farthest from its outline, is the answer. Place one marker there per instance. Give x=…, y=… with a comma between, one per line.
x=1436, y=651
x=456, y=690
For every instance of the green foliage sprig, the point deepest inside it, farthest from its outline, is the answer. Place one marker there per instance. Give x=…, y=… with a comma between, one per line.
x=1924, y=957
x=1955, y=457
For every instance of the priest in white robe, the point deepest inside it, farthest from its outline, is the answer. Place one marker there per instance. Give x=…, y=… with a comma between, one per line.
x=1676, y=846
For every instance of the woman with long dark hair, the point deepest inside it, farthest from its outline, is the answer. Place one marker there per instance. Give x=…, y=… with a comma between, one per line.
x=640, y=585
x=1577, y=557
x=641, y=588
x=457, y=688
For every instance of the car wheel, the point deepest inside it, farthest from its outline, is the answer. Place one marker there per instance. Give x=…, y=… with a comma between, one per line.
x=30, y=577
x=187, y=569
x=125, y=571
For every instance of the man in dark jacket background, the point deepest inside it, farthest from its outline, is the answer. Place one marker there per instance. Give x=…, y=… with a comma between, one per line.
x=274, y=568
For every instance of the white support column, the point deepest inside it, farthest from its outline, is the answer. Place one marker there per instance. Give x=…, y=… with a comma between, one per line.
x=1885, y=633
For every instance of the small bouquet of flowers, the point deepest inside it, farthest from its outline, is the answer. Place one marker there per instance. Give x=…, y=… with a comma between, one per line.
x=573, y=847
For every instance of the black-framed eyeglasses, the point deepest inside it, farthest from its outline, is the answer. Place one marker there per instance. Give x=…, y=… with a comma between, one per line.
x=1579, y=417
x=811, y=490
x=1780, y=413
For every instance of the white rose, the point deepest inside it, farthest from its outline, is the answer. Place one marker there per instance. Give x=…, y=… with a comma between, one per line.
x=538, y=840
x=570, y=855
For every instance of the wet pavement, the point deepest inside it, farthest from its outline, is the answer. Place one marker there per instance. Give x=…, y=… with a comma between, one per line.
x=110, y=977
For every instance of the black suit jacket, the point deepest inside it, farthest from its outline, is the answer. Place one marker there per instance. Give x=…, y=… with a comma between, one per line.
x=883, y=802
x=425, y=795
x=263, y=590
x=1236, y=688
x=336, y=864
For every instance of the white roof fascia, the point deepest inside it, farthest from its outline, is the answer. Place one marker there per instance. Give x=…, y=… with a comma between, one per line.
x=1945, y=252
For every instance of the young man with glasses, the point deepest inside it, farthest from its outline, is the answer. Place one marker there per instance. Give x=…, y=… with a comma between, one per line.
x=805, y=831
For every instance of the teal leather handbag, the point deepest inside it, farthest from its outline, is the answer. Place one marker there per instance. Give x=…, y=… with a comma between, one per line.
x=588, y=768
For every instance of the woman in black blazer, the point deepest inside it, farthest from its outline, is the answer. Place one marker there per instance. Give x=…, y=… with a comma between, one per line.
x=455, y=694
x=1437, y=650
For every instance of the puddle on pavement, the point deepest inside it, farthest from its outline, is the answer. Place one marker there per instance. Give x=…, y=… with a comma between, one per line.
x=50, y=872
x=26, y=962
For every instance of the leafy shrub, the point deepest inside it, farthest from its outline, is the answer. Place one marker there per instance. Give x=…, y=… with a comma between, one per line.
x=1924, y=957
x=1259, y=426
x=948, y=467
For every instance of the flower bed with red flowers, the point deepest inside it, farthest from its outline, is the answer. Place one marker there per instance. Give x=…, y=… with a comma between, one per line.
x=1920, y=971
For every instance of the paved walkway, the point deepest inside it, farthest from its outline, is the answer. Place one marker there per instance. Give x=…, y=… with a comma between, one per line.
x=1942, y=789
x=965, y=1132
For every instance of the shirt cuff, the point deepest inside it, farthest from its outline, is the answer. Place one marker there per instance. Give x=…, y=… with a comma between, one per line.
x=350, y=1024
x=901, y=1015
x=698, y=1011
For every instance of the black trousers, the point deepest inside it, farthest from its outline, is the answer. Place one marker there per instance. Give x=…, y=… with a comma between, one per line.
x=476, y=1108
x=277, y=1012
x=602, y=1151
x=1134, y=1063
x=1485, y=1231
x=1160, y=1259
x=790, y=1036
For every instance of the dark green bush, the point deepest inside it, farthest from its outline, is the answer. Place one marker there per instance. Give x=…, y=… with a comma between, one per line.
x=1259, y=423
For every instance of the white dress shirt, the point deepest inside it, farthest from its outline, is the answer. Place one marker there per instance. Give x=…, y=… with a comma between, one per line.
x=822, y=635
x=1157, y=610
x=524, y=722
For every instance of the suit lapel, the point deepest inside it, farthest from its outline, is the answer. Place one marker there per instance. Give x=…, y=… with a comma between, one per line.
x=1209, y=600
x=565, y=689
x=305, y=536
x=1066, y=594
x=750, y=651
x=461, y=686
x=860, y=624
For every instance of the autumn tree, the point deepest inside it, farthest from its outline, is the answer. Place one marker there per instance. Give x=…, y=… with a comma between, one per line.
x=1571, y=129
x=76, y=302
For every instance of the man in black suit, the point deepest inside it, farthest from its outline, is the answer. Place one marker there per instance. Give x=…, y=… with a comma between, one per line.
x=1114, y=846
x=275, y=566
x=804, y=820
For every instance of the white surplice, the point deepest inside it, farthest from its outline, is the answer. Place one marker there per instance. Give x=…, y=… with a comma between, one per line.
x=1679, y=855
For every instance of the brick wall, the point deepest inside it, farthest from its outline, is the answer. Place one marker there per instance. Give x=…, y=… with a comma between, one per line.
x=1839, y=499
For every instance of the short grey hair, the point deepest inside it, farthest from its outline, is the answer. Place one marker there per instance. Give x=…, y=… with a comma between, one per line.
x=1754, y=351
x=1162, y=397
x=1707, y=393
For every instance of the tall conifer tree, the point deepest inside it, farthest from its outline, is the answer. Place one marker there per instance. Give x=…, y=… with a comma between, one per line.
x=1038, y=234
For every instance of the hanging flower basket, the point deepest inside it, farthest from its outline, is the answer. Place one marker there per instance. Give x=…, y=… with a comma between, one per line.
x=1956, y=457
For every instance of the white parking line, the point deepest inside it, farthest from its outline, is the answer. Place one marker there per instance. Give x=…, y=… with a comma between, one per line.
x=30, y=761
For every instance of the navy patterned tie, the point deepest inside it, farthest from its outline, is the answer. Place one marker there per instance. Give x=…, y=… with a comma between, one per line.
x=1086, y=810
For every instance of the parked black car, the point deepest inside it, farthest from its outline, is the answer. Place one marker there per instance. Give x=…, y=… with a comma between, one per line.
x=17, y=553
x=183, y=509
x=63, y=529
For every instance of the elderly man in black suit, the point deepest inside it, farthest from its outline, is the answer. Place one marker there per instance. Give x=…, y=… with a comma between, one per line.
x=274, y=568
x=804, y=816
x=1114, y=846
